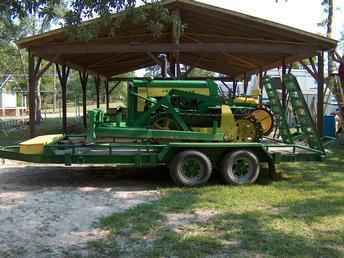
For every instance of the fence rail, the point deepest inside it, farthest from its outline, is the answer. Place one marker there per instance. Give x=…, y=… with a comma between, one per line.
x=11, y=124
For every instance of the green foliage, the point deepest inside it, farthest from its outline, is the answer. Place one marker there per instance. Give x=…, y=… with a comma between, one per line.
x=71, y=13
x=328, y=7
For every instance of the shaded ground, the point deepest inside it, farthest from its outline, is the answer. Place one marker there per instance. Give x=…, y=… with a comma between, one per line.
x=51, y=211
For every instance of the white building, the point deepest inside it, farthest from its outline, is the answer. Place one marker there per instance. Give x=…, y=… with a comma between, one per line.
x=9, y=98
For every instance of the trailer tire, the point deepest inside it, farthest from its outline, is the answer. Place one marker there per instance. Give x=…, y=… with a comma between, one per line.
x=240, y=167
x=190, y=168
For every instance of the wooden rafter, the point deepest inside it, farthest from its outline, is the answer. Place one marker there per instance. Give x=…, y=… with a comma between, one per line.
x=241, y=48
x=224, y=38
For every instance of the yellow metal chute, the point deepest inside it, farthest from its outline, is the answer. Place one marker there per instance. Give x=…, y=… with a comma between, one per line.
x=36, y=145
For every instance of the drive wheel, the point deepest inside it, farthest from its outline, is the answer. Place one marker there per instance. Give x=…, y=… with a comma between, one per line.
x=265, y=118
x=240, y=167
x=190, y=168
x=248, y=130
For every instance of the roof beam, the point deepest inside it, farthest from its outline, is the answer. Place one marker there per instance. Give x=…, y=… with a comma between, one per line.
x=243, y=48
x=225, y=38
x=200, y=78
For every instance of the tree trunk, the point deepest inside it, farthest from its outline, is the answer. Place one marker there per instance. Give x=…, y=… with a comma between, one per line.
x=330, y=18
x=38, y=115
x=55, y=91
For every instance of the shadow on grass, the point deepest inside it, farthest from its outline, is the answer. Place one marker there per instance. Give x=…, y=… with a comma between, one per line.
x=298, y=216
x=327, y=175
x=145, y=229
x=312, y=210
x=256, y=235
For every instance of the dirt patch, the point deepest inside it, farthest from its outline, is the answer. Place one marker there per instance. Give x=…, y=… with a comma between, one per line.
x=181, y=222
x=48, y=211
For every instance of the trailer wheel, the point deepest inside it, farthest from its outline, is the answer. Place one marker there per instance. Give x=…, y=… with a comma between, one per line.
x=240, y=167
x=190, y=168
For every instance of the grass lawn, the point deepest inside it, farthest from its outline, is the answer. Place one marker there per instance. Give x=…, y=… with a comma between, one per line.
x=47, y=126
x=301, y=215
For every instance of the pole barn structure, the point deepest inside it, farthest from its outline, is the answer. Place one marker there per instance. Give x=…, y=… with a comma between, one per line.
x=224, y=41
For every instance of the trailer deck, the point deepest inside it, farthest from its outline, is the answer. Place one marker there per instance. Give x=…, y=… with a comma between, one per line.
x=149, y=154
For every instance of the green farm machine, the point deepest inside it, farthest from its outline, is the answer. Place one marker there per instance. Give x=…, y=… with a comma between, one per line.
x=189, y=127
x=165, y=110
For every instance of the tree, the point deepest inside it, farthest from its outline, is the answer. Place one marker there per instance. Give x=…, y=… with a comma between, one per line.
x=328, y=9
x=70, y=13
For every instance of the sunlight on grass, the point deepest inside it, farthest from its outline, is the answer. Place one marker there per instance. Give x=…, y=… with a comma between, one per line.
x=301, y=215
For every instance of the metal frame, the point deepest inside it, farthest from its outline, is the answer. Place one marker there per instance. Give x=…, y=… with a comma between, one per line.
x=147, y=154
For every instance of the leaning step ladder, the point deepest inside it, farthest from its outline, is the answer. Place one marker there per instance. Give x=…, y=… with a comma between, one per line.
x=301, y=110
x=276, y=107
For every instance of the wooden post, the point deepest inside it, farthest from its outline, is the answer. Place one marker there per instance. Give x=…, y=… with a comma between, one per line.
x=97, y=83
x=176, y=35
x=260, y=75
x=245, y=84
x=173, y=68
x=163, y=65
x=107, y=95
x=320, y=106
x=32, y=94
x=179, y=72
x=63, y=74
x=83, y=79
x=235, y=84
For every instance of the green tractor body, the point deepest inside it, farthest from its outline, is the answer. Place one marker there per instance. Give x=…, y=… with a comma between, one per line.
x=177, y=110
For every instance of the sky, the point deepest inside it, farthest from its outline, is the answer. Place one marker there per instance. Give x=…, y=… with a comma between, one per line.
x=302, y=14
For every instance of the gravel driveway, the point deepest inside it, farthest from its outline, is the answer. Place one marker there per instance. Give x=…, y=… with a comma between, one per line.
x=52, y=211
